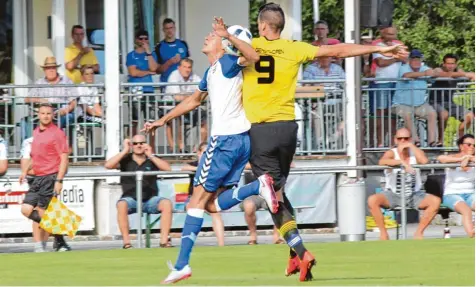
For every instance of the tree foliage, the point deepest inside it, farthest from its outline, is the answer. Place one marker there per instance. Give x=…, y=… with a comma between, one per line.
x=436, y=27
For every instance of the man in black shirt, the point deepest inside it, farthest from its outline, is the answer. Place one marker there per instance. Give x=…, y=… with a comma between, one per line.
x=141, y=159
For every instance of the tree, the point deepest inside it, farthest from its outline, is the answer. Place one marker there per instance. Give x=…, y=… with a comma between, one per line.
x=436, y=27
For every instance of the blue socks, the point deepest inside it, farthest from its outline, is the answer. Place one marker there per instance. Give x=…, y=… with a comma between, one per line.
x=193, y=224
x=234, y=196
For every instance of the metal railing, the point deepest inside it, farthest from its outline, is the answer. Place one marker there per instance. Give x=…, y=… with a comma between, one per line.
x=75, y=111
x=139, y=175
x=436, y=115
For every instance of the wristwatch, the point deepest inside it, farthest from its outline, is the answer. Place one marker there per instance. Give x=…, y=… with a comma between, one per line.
x=148, y=54
x=59, y=180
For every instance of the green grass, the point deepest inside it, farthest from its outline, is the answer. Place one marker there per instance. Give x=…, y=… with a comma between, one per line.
x=428, y=262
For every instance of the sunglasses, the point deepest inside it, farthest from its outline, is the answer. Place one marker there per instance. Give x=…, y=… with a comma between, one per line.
x=143, y=38
x=469, y=144
x=138, y=143
x=403, y=138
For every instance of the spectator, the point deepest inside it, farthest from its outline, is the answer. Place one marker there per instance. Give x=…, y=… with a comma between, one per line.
x=404, y=155
x=323, y=68
x=184, y=74
x=141, y=65
x=367, y=59
x=141, y=159
x=64, y=98
x=380, y=99
x=443, y=96
x=76, y=56
x=170, y=50
x=459, y=182
x=321, y=30
x=217, y=221
x=250, y=205
x=3, y=156
x=89, y=101
x=411, y=97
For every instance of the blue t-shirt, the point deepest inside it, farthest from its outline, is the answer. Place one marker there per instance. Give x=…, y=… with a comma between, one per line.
x=415, y=93
x=167, y=50
x=140, y=60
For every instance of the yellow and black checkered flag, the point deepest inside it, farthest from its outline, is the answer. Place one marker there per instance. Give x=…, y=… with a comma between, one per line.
x=59, y=219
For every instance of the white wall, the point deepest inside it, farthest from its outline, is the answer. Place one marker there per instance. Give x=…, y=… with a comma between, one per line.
x=198, y=23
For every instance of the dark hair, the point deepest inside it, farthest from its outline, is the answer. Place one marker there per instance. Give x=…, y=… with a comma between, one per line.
x=272, y=14
x=202, y=145
x=186, y=60
x=76, y=27
x=141, y=33
x=466, y=136
x=451, y=56
x=168, y=21
x=322, y=22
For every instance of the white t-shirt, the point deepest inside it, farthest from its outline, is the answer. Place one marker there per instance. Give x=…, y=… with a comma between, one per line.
x=26, y=148
x=176, y=77
x=390, y=71
x=3, y=149
x=224, y=81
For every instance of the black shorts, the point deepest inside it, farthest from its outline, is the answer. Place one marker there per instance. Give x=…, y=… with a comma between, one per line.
x=272, y=149
x=41, y=191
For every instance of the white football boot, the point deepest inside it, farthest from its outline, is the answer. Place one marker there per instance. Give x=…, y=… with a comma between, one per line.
x=266, y=191
x=177, y=275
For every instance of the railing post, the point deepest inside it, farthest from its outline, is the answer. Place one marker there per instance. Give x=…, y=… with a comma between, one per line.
x=139, y=177
x=403, y=218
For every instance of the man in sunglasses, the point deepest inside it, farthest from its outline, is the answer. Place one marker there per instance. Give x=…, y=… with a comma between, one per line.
x=404, y=156
x=141, y=159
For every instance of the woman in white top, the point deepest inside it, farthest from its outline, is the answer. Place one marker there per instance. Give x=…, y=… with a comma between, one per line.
x=459, y=182
x=89, y=100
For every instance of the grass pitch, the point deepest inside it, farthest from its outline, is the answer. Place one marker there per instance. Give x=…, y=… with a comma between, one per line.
x=428, y=262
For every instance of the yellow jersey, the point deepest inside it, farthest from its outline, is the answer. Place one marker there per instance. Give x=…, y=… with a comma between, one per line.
x=72, y=52
x=269, y=85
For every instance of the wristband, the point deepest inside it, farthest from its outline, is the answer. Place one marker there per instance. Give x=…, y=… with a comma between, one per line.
x=59, y=180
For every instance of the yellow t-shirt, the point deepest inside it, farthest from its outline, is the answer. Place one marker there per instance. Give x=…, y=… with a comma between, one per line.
x=72, y=52
x=270, y=84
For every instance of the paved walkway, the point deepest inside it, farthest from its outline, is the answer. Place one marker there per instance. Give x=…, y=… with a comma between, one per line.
x=21, y=245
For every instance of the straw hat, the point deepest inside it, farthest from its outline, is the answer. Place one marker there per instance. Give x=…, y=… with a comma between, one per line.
x=50, y=62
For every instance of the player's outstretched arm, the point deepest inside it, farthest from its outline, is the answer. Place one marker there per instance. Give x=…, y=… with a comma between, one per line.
x=187, y=105
x=249, y=54
x=352, y=50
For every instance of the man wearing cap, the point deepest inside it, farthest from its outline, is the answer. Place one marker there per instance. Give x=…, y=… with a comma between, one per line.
x=63, y=99
x=76, y=56
x=411, y=97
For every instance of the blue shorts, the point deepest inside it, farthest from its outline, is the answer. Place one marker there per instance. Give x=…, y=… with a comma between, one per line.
x=150, y=206
x=223, y=161
x=450, y=200
x=382, y=98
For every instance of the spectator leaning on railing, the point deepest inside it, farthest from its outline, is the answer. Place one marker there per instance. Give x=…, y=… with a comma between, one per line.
x=141, y=159
x=441, y=96
x=404, y=156
x=411, y=97
x=459, y=182
x=63, y=98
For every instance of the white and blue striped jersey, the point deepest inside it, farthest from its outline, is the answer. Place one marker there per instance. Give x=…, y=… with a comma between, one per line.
x=223, y=80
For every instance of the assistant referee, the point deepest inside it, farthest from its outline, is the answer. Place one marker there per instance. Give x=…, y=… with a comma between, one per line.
x=49, y=160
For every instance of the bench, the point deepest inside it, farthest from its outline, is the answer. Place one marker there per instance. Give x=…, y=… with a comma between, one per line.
x=149, y=223
x=434, y=185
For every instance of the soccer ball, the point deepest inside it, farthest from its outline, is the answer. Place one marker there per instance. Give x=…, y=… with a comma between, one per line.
x=240, y=33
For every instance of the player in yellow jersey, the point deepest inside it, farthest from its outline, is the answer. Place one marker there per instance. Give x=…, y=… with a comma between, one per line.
x=268, y=98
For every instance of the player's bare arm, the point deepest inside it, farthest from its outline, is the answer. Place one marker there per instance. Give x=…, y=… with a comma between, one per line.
x=351, y=50
x=250, y=56
x=189, y=104
x=61, y=172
